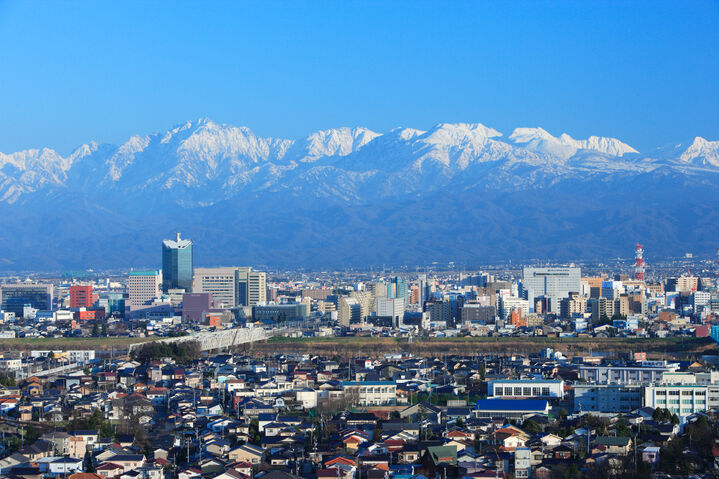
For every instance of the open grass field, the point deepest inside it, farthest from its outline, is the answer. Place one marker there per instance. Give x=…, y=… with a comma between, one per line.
x=669, y=348
x=117, y=343
x=675, y=348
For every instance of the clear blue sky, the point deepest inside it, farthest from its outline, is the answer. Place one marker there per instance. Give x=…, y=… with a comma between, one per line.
x=71, y=72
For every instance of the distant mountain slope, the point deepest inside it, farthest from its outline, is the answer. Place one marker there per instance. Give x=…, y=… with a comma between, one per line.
x=350, y=195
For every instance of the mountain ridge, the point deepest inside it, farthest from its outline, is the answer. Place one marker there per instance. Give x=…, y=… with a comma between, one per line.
x=201, y=176
x=191, y=153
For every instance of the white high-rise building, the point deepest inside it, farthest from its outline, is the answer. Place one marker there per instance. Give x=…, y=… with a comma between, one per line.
x=700, y=300
x=551, y=282
x=232, y=286
x=391, y=307
x=251, y=287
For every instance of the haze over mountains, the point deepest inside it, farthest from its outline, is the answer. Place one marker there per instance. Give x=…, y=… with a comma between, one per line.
x=354, y=197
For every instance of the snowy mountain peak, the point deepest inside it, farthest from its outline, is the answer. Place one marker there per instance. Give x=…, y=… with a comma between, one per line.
x=406, y=133
x=201, y=162
x=525, y=135
x=449, y=132
x=540, y=141
x=467, y=138
x=701, y=152
x=336, y=142
x=610, y=146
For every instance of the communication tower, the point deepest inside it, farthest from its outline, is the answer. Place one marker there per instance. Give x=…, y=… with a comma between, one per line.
x=639, y=266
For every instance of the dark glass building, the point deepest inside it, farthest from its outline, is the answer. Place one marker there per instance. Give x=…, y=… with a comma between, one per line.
x=14, y=297
x=177, y=265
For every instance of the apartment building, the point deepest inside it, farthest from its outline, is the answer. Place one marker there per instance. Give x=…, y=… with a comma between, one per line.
x=681, y=399
x=526, y=388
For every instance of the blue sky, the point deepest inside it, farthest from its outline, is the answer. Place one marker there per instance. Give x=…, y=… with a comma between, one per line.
x=71, y=72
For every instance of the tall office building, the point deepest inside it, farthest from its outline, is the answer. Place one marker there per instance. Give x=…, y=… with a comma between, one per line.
x=391, y=308
x=507, y=303
x=425, y=289
x=349, y=311
x=177, y=264
x=220, y=282
x=81, y=296
x=113, y=302
x=232, y=286
x=551, y=282
x=251, y=287
x=366, y=301
x=14, y=297
x=397, y=288
x=143, y=287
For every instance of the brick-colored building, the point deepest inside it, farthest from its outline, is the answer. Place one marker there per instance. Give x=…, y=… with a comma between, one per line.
x=81, y=296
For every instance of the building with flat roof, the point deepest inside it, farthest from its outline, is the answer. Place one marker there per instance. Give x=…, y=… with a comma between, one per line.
x=251, y=287
x=371, y=393
x=220, y=282
x=681, y=399
x=607, y=397
x=349, y=311
x=280, y=312
x=14, y=297
x=554, y=283
x=143, y=287
x=526, y=388
x=632, y=373
x=81, y=296
x=232, y=286
x=391, y=308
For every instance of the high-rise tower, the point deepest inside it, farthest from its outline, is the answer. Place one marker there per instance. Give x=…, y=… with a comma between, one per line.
x=639, y=266
x=177, y=264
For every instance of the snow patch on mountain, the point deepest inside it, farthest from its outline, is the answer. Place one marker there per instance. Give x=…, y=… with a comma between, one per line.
x=334, y=142
x=701, y=152
x=202, y=162
x=452, y=145
x=541, y=141
x=125, y=155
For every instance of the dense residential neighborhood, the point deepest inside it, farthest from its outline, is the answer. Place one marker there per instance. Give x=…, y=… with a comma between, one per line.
x=393, y=416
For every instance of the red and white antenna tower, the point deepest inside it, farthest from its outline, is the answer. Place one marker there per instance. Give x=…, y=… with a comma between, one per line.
x=639, y=267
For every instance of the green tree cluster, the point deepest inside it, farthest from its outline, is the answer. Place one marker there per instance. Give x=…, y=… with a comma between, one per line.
x=665, y=415
x=97, y=421
x=183, y=353
x=7, y=380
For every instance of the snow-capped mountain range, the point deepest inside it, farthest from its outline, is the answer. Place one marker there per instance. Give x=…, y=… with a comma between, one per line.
x=202, y=162
x=325, y=191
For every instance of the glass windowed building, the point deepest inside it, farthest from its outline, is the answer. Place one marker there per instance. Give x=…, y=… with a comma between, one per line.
x=177, y=264
x=14, y=297
x=554, y=283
